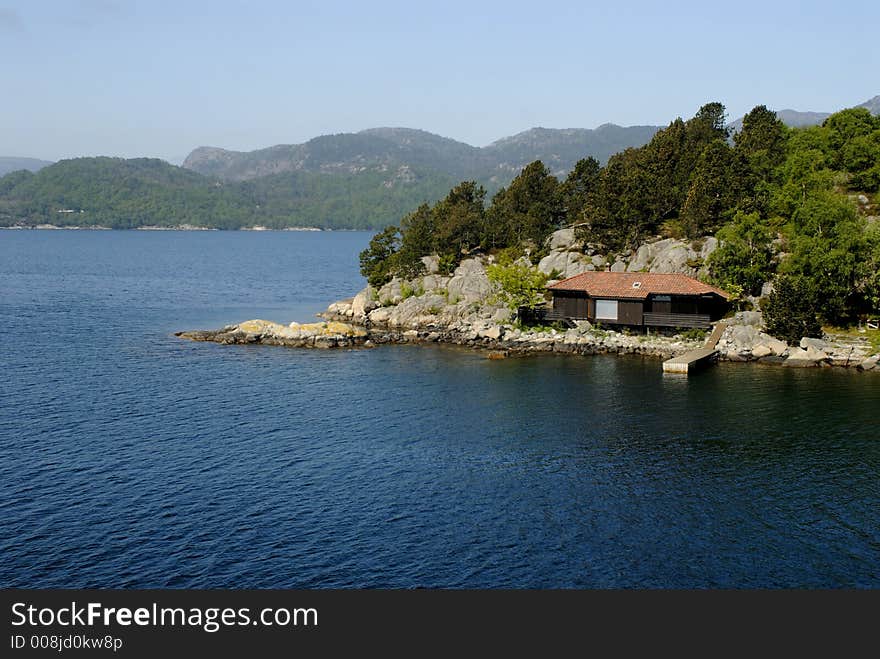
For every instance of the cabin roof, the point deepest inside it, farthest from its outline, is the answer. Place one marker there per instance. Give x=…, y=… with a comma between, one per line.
x=635, y=285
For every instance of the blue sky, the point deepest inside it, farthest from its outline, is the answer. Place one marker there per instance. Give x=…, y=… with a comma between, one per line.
x=157, y=78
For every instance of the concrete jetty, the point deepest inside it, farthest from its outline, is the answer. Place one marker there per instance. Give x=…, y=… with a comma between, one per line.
x=699, y=357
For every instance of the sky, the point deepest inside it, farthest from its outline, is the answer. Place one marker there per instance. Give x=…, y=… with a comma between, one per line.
x=157, y=78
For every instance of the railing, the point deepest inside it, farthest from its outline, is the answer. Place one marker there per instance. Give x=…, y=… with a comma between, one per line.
x=698, y=321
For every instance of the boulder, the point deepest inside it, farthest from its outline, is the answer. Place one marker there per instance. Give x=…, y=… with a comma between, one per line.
x=799, y=357
x=493, y=332
x=567, y=263
x=761, y=350
x=710, y=244
x=816, y=354
x=776, y=346
x=364, y=302
x=870, y=363
x=619, y=266
x=434, y=282
x=380, y=316
x=391, y=293
x=564, y=239
x=502, y=315
x=432, y=264
x=818, y=344
x=671, y=255
x=751, y=318
x=416, y=312
x=469, y=282
x=646, y=254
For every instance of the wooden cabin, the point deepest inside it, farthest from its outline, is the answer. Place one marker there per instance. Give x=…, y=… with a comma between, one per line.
x=639, y=299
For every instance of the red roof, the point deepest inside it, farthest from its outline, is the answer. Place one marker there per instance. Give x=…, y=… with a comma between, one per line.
x=635, y=285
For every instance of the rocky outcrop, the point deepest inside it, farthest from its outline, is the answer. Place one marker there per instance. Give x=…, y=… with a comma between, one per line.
x=671, y=255
x=570, y=257
x=744, y=340
x=331, y=334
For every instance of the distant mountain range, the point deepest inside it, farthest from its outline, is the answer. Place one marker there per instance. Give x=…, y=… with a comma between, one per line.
x=386, y=149
x=351, y=180
x=10, y=164
x=798, y=119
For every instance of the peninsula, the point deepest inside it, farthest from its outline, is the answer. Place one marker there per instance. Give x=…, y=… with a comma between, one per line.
x=781, y=226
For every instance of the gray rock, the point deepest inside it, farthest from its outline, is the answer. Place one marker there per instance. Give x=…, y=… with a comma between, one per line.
x=469, y=282
x=751, y=318
x=671, y=255
x=761, y=350
x=434, y=282
x=416, y=312
x=766, y=288
x=870, y=363
x=380, y=316
x=432, y=264
x=567, y=263
x=390, y=293
x=799, y=357
x=493, y=332
x=619, y=266
x=364, y=302
x=818, y=344
x=710, y=244
x=776, y=346
x=564, y=240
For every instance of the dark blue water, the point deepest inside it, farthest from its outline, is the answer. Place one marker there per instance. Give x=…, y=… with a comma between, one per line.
x=133, y=459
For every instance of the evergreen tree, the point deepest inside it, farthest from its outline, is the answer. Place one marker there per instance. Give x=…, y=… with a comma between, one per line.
x=762, y=141
x=377, y=260
x=527, y=211
x=789, y=313
x=458, y=220
x=715, y=190
x=575, y=190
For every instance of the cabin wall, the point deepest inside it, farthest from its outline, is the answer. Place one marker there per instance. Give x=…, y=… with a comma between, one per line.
x=629, y=312
x=570, y=304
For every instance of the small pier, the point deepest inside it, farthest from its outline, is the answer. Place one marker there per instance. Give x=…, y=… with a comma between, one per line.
x=690, y=361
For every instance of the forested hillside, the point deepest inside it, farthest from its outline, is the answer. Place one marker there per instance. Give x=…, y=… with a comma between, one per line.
x=123, y=194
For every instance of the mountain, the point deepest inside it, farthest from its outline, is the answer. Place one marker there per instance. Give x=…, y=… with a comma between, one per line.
x=873, y=105
x=10, y=164
x=798, y=119
x=384, y=149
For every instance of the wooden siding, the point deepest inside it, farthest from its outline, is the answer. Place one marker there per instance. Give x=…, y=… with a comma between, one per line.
x=677, y=320
x=629, y=312
x=570, y=305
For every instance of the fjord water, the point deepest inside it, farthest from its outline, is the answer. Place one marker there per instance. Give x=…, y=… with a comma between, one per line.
x=131, y=458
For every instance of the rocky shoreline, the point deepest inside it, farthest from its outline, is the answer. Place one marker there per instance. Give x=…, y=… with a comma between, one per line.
x=461, y=309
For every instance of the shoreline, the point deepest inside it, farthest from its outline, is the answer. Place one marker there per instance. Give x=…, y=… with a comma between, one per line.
x=336, y=334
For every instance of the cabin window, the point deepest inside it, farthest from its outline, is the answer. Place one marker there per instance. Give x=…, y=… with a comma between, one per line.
x=606, y=309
